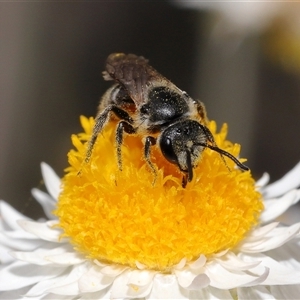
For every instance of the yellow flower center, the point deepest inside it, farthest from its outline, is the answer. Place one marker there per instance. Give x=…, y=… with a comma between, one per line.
x=121, y=217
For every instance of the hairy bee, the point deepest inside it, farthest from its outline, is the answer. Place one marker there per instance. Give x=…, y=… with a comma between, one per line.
x=149, y=105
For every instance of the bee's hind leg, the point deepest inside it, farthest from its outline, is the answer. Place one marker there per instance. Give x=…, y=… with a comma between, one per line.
x=122, y=127
x=150, y=141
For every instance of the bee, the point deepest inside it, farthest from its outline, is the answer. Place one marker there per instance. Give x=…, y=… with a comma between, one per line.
x=151, y=106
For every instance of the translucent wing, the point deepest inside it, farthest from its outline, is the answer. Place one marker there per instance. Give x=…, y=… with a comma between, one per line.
x=136, y=75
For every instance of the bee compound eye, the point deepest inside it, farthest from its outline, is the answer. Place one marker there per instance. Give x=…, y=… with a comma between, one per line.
x=167, y=150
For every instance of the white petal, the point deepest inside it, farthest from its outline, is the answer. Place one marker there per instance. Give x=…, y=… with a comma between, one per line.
x=19, y=244
x=10, y=216
x=279, y=274
x=121, y=289
x=70, y=289
x=187, y=276
x=52, y=181
x=42, y=286
x=99, y=263
x=275, y=238
x=210, y=293
x=181, y=264
x=261, y=232
x=220, y=254
x=198, y=263
x=44, y=231
x=19, y=234
x=30, y=257
x=54, y=297
x=20, y=274
x=93, y=280
x=285, y=291
x=14, y=294
x=103, y=294
x=261, y=182
x=219, y=294
x=223, y=279
x=140, y=278
x=48, y=254
x=69, y=258
x=167, y=287
x=5, y=258
x=140, y=266
x=231, y=262
x=287, y=254
x=288, y=182
x=113, y=270
x=69, y=285
x=199, y=282
x=46, y=202
x=258, y=292
x=276, y=207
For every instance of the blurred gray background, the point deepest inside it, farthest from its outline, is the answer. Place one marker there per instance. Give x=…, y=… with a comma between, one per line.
x=52, y=55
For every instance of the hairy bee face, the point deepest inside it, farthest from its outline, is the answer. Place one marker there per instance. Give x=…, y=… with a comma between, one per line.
x=182, y=144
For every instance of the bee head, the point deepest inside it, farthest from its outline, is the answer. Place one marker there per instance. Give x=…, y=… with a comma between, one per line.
x=182, y=144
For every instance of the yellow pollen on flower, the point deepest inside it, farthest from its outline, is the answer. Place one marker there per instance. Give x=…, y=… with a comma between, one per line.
x=121, y=217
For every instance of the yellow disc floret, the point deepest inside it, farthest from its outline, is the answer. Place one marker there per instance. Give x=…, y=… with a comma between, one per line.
x=122, y=217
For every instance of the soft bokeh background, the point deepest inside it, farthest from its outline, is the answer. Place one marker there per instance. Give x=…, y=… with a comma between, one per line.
x=241, y=59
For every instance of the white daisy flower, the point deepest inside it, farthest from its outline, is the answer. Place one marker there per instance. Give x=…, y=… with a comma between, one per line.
x=115, y=236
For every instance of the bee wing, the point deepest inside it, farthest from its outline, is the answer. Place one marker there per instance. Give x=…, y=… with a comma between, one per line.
x=135, y=74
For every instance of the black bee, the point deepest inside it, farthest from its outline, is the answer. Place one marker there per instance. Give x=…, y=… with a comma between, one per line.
x=149, y=105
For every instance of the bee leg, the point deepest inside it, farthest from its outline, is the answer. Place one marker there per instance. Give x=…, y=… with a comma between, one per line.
x=100, y=121
x=189, y=165
x=188, y=174
x=184, y=180
x=128, y=128
x=150, y=141
x=201, y=111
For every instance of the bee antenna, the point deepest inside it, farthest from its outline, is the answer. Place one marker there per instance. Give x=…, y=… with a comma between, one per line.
x=225, y=153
